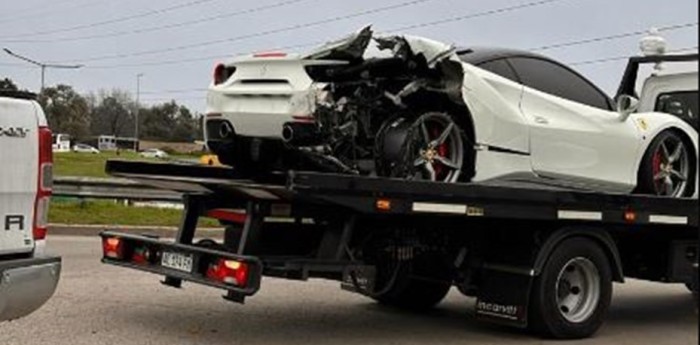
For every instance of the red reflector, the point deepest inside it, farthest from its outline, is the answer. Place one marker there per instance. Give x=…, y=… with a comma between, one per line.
x=230, y=272
x=113, y=247
x=304, y=118
x=141, y=255
x=270, y=55
x=231, y=216
x=630, y=216
x=39, y=233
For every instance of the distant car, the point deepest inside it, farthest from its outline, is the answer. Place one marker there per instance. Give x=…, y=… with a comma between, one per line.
x=153, y=153
x=83, y=148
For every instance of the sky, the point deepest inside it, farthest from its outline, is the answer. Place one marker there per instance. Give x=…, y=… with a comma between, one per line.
x=176, y=43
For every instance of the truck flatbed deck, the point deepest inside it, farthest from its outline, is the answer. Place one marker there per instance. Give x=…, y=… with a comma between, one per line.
x=405, y=243
x=512, y=199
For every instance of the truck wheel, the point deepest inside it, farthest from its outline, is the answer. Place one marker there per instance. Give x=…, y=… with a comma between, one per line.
x=571, y=296
x=416, y=284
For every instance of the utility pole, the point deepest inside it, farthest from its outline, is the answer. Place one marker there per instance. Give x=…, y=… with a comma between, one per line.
x=138, y=110
x=42, y=65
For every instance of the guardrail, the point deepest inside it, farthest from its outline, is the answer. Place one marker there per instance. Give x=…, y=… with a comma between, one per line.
x=110, y=188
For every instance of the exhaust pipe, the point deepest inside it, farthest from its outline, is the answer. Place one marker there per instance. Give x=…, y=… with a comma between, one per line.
x=301, y=134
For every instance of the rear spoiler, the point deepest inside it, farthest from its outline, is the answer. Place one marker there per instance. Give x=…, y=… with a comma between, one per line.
x=629, y=79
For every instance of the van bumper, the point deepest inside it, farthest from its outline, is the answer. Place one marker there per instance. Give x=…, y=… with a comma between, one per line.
x=26, y=284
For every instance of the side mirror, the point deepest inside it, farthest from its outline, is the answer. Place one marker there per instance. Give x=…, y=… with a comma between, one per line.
x=626, y=105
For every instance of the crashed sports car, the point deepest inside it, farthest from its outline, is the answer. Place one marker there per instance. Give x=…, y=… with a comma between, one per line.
x=413, y=108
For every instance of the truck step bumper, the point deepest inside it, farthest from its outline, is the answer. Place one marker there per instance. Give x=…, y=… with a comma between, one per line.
x=239, y=275
x=26, y=284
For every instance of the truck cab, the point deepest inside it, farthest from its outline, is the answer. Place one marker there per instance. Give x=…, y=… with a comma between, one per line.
x=28, y=277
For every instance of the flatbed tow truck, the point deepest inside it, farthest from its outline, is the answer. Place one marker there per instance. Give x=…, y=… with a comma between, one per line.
x=543, y=257
x=533, y=256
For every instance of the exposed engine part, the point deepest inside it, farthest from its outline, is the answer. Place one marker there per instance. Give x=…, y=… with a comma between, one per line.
x=364, y=111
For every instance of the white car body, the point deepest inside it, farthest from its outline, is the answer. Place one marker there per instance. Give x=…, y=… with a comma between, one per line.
x=28, y=277
x=82, y=148
x=153, y=153
x=520, y=133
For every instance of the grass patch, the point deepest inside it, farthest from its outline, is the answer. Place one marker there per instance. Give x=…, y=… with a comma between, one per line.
x=93, y=164
x=112, y=213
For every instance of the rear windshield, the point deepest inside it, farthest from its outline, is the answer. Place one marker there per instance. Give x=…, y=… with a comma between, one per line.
x=683, y=104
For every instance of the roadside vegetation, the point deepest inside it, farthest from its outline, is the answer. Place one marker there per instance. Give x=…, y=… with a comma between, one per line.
x=93, y=165
x=98, y=212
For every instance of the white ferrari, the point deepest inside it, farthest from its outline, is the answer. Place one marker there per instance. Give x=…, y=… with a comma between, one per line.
x=410, y=107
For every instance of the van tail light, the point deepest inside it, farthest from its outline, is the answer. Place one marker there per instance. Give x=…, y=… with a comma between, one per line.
x=44, y=184
x=227, y=271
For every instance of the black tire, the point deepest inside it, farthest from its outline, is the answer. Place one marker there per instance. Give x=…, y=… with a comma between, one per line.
x=546, y=317
x=401, y=139
x=419, y=284
x=649, y=166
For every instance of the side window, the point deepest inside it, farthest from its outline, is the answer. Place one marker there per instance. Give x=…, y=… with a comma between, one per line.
x=556, y=80
x=683, y=104
x=500, y=67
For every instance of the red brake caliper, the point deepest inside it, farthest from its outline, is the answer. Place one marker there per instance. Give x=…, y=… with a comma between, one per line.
x=442, y=151
x=656, y=168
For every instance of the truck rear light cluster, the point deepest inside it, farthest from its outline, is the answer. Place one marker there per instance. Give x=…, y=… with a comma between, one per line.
x=44, y=184
x=113, y=248
x=142, y=255
x=227, y=271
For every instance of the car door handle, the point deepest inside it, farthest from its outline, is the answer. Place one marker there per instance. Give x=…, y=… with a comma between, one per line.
x=541, y=120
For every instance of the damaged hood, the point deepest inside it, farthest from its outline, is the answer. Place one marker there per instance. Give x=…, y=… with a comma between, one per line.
x=355, y=47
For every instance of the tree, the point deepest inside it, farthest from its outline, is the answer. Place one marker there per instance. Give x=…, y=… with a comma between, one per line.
x=66, y=111
x=8, y=84
x=168, y=122
x=112, y=113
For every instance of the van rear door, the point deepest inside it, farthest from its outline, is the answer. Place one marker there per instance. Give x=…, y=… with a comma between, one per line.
x=19, y=159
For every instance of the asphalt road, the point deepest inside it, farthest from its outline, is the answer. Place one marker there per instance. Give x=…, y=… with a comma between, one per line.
x=99, y=304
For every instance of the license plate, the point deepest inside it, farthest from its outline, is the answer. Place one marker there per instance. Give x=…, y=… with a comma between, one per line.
x=177, y=261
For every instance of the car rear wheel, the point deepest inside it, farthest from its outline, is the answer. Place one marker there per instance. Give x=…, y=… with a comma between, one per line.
x=667, y=167
x=431, y=147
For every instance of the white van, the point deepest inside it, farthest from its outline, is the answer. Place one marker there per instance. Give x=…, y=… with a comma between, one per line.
x=28, y=277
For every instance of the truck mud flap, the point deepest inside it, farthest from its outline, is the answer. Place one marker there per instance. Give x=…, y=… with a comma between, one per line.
x=504, y=295
x=239, y=275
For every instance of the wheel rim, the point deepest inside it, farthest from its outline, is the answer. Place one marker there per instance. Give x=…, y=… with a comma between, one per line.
x=670, y=168
x=440, y=150
x=578, y=290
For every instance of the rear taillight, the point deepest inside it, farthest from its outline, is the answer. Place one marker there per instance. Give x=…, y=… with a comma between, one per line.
x=227, y=271
x=44, y=184
x=219, y=74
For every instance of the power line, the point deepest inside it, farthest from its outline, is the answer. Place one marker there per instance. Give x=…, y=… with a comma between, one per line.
x=577, y=63
x=476, y=15
x=612, y=37
x=162, y=27
x=625, y=57
x=113, y=21
x=262, y=33
x=325, y=21
x=47, y=9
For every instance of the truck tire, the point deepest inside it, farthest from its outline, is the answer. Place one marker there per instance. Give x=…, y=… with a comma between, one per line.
x=418, y=284
x=571, y=296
